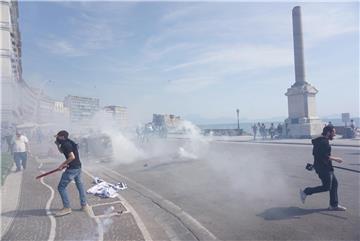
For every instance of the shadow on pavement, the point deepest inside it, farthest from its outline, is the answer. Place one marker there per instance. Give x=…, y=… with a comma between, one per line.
x=25, y=213
x=281, y=213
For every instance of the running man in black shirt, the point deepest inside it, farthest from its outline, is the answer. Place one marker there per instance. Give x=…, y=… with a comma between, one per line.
x=323, y=167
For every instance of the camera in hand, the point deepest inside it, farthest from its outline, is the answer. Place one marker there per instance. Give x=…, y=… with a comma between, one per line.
x=309, y=167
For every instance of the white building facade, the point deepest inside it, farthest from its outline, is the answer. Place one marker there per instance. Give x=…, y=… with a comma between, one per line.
x=118, y=114
x=18, y=99
x=81, y=109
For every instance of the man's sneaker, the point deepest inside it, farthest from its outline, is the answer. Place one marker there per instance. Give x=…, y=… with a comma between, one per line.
x=86, y=208
x=338, y=208
x=62, y=212
x=302, y=196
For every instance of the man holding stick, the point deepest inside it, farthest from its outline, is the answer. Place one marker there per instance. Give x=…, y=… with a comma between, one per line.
x=72, y=172
x=324, y=168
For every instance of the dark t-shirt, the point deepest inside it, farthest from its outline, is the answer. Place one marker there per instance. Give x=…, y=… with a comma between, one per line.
x=69, y=146
x=322, y=152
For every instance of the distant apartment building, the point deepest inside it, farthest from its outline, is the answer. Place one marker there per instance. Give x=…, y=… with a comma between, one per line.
x=45, y=109
x=61, y=113
x=28, y=103
x=118, y=114
x=59, y=106
x=81, y=109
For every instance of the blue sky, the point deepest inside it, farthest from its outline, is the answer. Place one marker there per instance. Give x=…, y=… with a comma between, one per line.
x=193, y=59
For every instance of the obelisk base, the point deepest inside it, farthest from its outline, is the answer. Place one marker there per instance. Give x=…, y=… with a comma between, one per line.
x=302, y=121
x=309, y=128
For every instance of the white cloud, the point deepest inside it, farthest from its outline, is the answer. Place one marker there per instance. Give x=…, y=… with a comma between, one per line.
x=87, y=32
x=61, y=47
x=191, y=84
x=321, y=25
x=240, y=58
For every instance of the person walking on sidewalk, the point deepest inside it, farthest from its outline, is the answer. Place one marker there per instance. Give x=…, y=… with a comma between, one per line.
x=72, y=172
x=21, y=149
x=323, y=167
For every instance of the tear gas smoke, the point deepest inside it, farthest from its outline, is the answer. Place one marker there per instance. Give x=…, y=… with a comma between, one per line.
x=106, y=222
x=254, y=175
x=123, y=149
x=197, y=145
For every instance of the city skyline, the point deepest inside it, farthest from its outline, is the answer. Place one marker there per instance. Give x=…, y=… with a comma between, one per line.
x=191, y=59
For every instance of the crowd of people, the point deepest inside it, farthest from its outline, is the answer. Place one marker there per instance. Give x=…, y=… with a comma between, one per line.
x=280, y=131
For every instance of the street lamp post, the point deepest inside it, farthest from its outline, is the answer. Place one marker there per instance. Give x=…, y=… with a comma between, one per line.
x=237, y=112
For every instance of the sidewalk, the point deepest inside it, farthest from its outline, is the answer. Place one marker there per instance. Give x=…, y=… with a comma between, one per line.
x=336, y=142
x=28, y=206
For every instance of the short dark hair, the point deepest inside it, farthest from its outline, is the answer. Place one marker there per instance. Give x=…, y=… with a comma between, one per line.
x=326, y=129
x=63, y=133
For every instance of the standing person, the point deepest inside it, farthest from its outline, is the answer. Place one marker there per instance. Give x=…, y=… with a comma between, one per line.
x=254, y=128
x=324, y=169
x=72, y=172
x=264, y=134
x=8, y=133
x=279, y=130
x=353, y=129
x=352, y=125
x=330, y=124
x=272, y=131
x=21, y=148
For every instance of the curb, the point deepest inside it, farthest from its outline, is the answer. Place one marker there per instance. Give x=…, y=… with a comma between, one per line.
x=269, y=142
x=11, y=191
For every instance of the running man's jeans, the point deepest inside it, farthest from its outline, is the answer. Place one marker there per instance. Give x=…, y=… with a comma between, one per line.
x=329, y=183
x=66, y=178
x=20, y=160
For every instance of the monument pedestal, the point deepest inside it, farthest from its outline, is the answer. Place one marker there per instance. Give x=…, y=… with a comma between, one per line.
x=302, y=121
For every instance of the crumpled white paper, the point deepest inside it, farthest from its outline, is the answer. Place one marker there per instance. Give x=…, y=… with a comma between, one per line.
x=105, y=189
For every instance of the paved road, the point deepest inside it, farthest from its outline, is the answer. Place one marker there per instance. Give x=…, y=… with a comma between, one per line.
x=241, y=191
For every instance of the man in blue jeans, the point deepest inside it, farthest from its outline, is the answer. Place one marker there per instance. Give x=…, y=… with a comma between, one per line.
x=21, y=149
x=323, y=167
x=72, y=172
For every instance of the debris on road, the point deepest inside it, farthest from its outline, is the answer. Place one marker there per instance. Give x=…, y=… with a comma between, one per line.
x=104, y=189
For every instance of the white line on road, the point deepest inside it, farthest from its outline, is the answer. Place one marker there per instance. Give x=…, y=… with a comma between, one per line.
x=137, y=218
x=48, y=212
x=193, y=221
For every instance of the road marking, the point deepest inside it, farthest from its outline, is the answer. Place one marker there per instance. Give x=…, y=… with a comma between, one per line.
x=102, y=204
x=48, y=212
x=128, y=207
x=192, y=220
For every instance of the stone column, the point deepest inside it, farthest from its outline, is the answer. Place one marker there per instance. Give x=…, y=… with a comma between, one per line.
x=303, y=121
x=298, y=47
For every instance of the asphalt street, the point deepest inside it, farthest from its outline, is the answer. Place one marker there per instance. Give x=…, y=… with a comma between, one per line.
x=240, y=191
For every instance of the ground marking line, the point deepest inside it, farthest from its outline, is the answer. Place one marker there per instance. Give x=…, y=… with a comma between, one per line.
x=102, y=204
x=48, y=212
x=197, y=223
x=137, y=218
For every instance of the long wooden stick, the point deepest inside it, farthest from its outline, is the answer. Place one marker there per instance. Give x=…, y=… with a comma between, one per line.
x=47, y=173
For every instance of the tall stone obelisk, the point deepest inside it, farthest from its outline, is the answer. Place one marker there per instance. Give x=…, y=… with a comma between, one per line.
x=303, y=121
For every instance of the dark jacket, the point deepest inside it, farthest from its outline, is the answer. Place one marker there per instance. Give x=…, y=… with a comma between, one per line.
x=321, y=153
